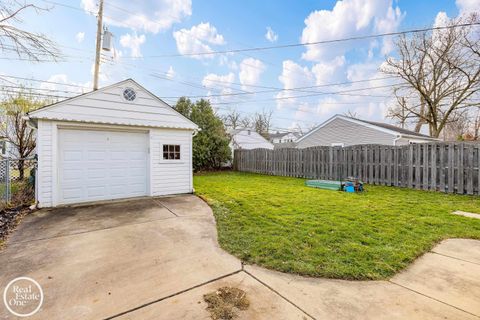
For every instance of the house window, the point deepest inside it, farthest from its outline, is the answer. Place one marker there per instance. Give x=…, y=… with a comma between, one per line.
x=171, y=152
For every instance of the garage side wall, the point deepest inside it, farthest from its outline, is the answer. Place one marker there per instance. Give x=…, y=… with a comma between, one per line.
x=45, y=149
x=170, y=176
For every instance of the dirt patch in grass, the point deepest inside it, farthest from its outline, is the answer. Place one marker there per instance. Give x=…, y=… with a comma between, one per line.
x=226, y=302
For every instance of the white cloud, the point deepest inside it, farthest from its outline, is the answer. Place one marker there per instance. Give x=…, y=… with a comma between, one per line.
x=309, y=107
x=293, y=76
x=198, y=39
x=89, y=5
x=146, y=16
x=328, y=72
x=133, y=42
x=347, y=18
x=219, y=84
x=250, y=71
x=271, y=35
x=171, y=73
x=467, y=6
x=389, y=23
x=441, y=20
x=80, y=37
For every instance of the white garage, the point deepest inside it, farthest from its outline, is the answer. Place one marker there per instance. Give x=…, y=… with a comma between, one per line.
x=117, y=142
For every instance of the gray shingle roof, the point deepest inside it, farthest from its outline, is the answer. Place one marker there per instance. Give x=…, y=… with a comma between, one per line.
x=394, y=128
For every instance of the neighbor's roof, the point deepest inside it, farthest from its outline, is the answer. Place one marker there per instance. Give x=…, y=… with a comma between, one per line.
x=395, y=128
x=374, y=125
x=242, y=140
x=107, y=106
x=283, y=134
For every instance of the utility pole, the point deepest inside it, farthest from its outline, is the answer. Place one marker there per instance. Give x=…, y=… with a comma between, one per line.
x=99, y=45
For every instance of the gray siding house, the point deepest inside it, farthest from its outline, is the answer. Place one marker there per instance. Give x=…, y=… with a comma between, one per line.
x=345, y=131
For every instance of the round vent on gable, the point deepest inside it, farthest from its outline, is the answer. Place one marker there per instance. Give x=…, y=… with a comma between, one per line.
x=129, y=94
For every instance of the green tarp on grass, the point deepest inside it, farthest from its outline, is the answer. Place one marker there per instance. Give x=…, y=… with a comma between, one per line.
x=324, y=184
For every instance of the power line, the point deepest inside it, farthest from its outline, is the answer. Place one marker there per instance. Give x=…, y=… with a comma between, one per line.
x=292, y=45
x=39, y=89
x=315, y=94
x=45, y=81
x=33, y=94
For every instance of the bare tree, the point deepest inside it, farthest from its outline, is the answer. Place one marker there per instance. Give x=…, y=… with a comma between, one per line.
x=246, y=122
x=14, y=128
x=351, y=114
x=440, y=73
x=262, y=122
x=458, y=127
x=232, y=120
x=26, y=44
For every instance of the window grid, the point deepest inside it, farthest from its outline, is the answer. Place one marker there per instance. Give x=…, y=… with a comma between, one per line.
x=129, y=94
x=171, y=152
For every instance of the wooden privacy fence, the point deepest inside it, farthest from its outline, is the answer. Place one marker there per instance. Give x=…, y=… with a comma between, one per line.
x=446, y=167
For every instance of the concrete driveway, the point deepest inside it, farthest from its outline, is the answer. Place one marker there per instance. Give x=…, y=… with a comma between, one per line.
x=155, y=258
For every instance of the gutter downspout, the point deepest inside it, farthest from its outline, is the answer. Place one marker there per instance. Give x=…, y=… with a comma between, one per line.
x=396, y=139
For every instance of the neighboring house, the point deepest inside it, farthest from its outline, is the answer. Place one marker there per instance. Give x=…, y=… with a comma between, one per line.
x=346, y=131
x=284, y=139
x=245, y=138
x=117, y=142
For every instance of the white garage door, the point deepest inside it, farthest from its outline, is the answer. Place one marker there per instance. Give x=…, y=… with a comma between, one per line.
x=101, y=165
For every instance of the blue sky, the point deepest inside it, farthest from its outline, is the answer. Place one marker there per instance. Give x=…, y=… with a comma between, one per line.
x=145, y=30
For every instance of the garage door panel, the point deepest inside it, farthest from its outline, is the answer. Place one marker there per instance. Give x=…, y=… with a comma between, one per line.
x=102, y=165
x=96, y=191
x=117, y=173
x=137, y=172
x=137, y=188
x=93, y=155
x=72, y=174
x=73, y=193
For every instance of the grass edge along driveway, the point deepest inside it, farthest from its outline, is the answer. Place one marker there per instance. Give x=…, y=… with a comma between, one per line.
x=278, y=223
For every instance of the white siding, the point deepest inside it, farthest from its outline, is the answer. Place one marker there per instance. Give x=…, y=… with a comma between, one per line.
x=107, y=106
x=171, y=176
x=346, y=132
x=45, y=175
x=166, y=176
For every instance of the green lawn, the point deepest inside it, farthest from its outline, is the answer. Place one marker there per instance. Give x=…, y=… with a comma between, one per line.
x=278, y=223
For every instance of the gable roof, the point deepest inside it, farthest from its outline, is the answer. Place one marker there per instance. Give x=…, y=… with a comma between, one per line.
x=388, y=128
x=396, y=129
x=107, y=106
x=283, y=134
x=242, y=140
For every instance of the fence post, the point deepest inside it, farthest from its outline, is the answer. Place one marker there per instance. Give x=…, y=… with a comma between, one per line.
x=8, y=190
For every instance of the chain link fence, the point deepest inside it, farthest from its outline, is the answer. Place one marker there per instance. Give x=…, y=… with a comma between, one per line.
x=17, y=181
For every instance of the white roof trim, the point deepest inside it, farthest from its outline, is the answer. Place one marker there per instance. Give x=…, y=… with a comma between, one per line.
x=32, y=115
x=372, y=126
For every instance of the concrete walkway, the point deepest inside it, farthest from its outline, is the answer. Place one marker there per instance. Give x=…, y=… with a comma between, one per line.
x=156, y=258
